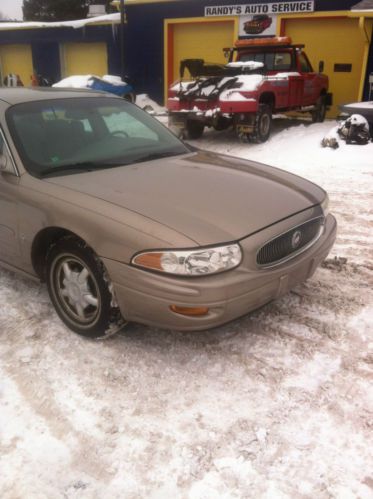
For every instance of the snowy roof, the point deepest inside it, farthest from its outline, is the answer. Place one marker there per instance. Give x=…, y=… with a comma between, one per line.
x=363, y=5
x=80, y=23
x=116, y=3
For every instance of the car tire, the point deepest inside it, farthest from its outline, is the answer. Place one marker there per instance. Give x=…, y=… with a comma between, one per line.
x=194, y=129
x=263, y=123
x=80, y=289
x=318, y=114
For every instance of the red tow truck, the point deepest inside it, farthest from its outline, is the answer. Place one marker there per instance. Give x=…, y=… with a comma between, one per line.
x=262, y=77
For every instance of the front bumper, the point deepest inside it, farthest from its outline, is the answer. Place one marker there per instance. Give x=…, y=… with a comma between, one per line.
x=146, y=297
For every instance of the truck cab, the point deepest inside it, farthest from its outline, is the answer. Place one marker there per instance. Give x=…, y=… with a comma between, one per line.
x=262, y=76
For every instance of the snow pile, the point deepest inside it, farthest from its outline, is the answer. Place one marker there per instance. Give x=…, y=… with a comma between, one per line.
x=358, y=120
x=85, y=81
x=234, y=95
x=149, y=105
x=252, y=65
x=114, y=80
x=283, y=75
x=361, y=105
x=182, y=85
x=76, y=81
x=249, y=83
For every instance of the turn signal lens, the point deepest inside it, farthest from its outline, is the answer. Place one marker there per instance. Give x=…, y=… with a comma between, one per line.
x=191, y=311
x=150, y=260
x=325, y=206
x=196, y=262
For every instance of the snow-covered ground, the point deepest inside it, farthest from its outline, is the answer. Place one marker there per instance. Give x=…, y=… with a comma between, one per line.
x=277, y=404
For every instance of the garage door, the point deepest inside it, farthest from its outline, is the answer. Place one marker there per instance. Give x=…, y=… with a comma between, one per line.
x=201, y=40
x=85, y=58
x=16, y=59
x=337, y=42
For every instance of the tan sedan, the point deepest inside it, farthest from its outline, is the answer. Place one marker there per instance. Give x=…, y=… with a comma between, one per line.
x=125, y=222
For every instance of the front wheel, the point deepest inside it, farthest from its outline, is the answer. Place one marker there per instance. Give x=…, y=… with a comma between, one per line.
x=79, y=289
x=263, y=123
x=194, y=129
x=318, y=114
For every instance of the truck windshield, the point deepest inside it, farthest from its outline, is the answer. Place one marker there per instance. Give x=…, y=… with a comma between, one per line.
x=65, y=136
x=273, y=61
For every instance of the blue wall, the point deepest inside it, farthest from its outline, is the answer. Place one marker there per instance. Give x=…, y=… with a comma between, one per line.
x=45, y=45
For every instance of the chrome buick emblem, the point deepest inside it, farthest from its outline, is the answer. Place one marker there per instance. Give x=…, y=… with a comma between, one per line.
x=295, y=239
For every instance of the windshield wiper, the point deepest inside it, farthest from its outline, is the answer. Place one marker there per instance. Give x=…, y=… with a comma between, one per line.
x=85, y=166
x=88, y=166
x=157, y=155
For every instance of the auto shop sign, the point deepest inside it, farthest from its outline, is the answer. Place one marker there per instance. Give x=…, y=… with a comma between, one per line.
x=261, y=8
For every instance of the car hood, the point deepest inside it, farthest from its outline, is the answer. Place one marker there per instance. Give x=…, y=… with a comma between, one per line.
x=209, y=198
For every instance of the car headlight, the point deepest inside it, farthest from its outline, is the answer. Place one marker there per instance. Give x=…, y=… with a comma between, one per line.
x=196, y=262
x=325, y=206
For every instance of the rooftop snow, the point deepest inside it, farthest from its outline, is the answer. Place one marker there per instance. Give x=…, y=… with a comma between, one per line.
x=80, y=23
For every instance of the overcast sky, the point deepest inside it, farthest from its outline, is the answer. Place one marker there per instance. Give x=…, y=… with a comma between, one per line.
x=11, y=8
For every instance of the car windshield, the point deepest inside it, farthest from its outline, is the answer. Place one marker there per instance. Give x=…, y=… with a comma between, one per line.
x=65, y=136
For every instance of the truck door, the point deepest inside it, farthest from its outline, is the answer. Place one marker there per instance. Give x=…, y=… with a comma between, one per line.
x=311, y=90
x=295, y=95
x=288, y=80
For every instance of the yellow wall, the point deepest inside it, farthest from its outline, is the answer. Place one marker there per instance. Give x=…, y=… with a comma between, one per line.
x=17, y=59
x=333, y=40
x=85, y=58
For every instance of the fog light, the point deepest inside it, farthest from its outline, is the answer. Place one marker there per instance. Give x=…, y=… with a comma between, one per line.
x=191, y=311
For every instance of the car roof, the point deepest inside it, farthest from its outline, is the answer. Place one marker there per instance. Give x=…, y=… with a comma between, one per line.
x=17, y=95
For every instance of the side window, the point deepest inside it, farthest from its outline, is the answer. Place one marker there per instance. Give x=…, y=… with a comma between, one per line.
x=304, y=64
x=123, y=124
x=282, y=61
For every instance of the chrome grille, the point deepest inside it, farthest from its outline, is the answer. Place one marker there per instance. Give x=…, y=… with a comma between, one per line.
x=290, y=243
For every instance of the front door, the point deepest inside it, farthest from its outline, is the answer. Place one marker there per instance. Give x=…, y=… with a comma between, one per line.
x=9, y=245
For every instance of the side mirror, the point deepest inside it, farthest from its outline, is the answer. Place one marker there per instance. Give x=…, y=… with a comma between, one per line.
x=321, y=66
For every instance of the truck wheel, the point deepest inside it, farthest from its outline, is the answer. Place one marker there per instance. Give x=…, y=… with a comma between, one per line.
x=194, y=129
x=222, y=123
x=318, y=115
x=263, y=124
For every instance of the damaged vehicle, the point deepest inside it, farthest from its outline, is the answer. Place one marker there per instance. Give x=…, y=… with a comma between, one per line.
x=125, y=222
x=263, y=76
x=257, y=24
